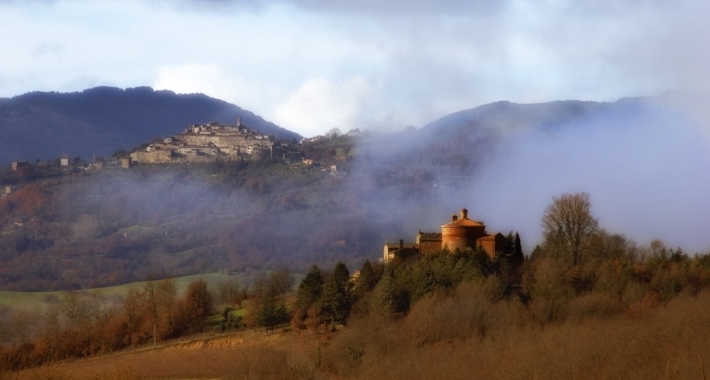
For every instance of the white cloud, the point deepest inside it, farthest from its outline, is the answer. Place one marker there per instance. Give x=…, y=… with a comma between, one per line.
x=219, y=82
x=320, y=105
x=414, y=66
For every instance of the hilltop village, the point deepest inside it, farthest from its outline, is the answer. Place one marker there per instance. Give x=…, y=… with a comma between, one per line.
x=212, y=142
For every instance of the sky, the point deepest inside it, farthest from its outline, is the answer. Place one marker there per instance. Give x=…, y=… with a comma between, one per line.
x=314, y=65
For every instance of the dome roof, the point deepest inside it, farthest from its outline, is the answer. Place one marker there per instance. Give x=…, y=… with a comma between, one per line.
x=463, y=221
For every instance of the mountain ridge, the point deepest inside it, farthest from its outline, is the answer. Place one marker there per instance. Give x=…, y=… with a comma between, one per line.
x=102, y=120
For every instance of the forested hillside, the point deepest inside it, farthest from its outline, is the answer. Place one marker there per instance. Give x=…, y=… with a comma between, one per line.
x=102, y=120
x=75, y=228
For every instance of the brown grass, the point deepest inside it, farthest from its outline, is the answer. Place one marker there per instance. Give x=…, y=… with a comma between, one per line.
x=242, y=355
x=463, y=336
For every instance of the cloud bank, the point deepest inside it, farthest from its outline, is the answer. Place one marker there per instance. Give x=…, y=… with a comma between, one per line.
x=419, y=60
x=644, y=173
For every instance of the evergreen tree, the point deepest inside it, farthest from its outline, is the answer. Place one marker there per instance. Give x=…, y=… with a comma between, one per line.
x=335, y=300
x=310, y=289
x=341, y=274
x=272, y=311
x=509, y=248
x=387, y=298
x=367, y=280
x=518, y=248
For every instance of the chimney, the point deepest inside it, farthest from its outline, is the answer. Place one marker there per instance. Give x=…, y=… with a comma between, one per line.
x=464, y=213
x=454, y=218
x=401, y=243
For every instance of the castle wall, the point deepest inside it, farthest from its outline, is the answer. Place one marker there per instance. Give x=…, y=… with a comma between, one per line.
x=152, y=157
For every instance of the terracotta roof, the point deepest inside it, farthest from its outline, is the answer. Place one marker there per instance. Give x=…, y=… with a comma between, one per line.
x=463, y=221
x=395, y=246
x=466, y=222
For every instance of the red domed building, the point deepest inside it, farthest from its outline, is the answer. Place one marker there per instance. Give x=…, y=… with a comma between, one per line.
x=461, y=233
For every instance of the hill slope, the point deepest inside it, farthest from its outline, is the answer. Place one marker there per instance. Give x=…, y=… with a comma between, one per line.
x=102, y=120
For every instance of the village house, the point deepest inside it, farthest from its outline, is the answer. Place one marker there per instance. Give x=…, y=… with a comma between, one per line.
x=64, y=160
x=18, y=164
x=354, y=133
x=6, y=190
x=97, y=163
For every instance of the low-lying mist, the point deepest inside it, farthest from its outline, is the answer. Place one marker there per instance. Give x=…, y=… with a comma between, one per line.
x=643, y=161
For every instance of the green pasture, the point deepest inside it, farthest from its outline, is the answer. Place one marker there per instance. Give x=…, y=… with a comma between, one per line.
x=33, y=300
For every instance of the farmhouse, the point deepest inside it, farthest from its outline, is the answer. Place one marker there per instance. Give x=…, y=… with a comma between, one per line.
x=461, y=233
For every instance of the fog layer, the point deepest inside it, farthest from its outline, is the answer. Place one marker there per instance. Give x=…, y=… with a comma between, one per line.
x=644, y=163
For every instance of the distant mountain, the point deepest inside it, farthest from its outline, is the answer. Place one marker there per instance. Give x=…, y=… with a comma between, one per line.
x=505, y=116
x=102, y=120
x=462, y=142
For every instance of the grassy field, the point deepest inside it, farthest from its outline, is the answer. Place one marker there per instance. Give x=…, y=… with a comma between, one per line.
x=206, y=356
x=31, y=300
x=436, y=340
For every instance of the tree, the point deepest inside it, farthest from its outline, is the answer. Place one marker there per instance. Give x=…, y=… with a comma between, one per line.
x=367, y=280
x=341, y=274
x=518, y=248
x=198, y=301
x=333, y=133
x=334, y=301
x=272, y=311
x=388, y=299
x=310, y=289
x=166, y=293
x=229, y=292
x=568, y=227
x=282, y=281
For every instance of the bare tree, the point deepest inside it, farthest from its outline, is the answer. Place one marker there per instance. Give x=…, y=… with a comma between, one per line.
x=229, y=292
x=568, y=227
x=166, y=294
x=333, y=133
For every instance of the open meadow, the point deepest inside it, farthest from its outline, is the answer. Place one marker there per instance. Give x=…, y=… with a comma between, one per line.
x=34, y=300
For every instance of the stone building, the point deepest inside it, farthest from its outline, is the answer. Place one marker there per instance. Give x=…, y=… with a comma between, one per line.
x=18, y=164
x=6, y=191
x=461, y=233
x=97, y=163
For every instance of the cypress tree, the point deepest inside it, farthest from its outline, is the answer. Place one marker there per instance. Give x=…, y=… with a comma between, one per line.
x=518, y=247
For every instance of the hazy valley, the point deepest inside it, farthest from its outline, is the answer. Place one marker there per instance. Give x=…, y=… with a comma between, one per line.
x=76, y=227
